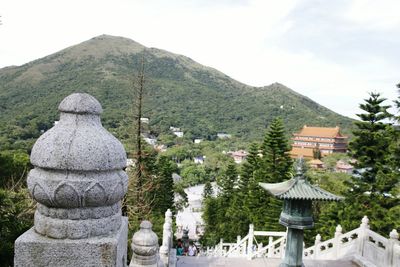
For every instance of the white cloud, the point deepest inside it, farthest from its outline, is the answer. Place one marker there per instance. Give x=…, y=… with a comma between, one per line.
x=382, y=14
x=328, y=56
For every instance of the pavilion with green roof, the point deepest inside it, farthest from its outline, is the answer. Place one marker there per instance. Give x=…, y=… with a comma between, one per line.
x=298, y=195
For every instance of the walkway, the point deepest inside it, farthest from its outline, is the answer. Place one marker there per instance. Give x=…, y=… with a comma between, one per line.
x=240, y=262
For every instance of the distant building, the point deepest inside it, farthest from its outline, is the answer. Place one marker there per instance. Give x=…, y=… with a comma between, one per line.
x=174, y=129
x=178, y=133
x=176, y=177
x=327, y=140
x=344, y=167
x=298, y=152
x=160, y=148
x=199, y=159
x=316, y=164
x=197, y=141
x=223, y=136
x=150, y=141
x=238, y=156
x=144, y=120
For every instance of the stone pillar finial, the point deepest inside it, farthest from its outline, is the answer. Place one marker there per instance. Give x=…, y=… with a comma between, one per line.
x=339, y=230
x=318, y=238
x=394, y=234
x=167, y=238
x=145, y=247
x=365, y=222
x=78, y=181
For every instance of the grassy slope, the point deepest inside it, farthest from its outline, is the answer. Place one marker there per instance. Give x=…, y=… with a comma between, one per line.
x=180, y=92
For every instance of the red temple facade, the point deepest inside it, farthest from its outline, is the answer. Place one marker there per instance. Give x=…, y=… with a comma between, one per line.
x=328, y=140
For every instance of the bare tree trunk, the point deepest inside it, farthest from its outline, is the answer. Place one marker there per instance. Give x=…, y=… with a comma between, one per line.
x=138, y=203
x=139, y=88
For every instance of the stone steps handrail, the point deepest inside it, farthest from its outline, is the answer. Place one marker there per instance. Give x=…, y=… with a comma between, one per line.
x=272, y=249
x=244, y=246
x=362, y=242
x=268, y=233
x=237, y=246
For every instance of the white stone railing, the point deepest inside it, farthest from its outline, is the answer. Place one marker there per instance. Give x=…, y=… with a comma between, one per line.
x=248, y=247
x=362, y=244
x=167, y=254
x=274, y=249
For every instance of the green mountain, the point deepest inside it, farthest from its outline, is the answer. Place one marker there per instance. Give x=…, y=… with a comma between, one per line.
x=179, y=92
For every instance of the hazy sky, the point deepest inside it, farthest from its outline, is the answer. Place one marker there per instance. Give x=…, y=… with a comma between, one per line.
x=331, y=51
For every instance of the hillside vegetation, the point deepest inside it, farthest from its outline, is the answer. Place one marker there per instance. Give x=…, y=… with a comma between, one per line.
x=179, y=92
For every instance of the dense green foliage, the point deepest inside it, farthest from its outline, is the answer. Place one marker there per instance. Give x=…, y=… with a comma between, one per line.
x=373, y=189
x=179, y=92
x=241, y=200
x=16, y=207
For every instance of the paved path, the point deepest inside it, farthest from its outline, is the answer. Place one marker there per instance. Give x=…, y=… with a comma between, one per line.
x=260, y=262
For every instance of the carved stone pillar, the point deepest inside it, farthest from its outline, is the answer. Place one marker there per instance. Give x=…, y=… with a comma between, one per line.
x=78, y=181
x=167, y=238
x=145, y=247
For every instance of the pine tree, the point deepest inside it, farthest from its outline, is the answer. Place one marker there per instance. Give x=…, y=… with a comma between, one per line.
x=227, y=185
x=371, y=150
x=208, y=190
x=164, y=195
x=371, y=140
x=228, y=181
x=277, y=163
x=238, y=213
x=276, y=166
x=251, y=164
x=210, y=216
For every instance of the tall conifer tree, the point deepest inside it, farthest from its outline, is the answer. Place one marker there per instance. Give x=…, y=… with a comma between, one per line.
x=371, y=139
x=276, y=167
x=207, y=191
x=277, y=163
x=371, y=150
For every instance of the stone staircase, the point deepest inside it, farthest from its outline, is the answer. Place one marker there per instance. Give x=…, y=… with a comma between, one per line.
x=183, y=261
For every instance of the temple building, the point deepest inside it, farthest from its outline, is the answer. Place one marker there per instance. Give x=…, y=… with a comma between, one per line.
x=327, y=140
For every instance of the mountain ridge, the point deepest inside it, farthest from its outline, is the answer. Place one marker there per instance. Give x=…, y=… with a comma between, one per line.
x=180, y=92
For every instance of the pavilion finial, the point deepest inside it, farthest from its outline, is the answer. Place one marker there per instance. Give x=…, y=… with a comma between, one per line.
x=300, y=168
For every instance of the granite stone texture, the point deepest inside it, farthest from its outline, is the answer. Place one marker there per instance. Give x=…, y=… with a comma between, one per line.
x=145, y=247
x=78, y=181
x=35, y=250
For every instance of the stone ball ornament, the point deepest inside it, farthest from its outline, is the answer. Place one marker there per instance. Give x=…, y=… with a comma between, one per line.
x=78, y=178
x=145, y=246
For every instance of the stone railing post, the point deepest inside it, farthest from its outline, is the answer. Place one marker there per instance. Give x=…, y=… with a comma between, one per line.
x=250, y=242
x=270, y=248
x=145, y=247
x=167, y=238
x=364, y=226
x=78, y=182
x=316, y=247
x=337, y=241
x=393, y=240
x=259, y=247
x=238, y=239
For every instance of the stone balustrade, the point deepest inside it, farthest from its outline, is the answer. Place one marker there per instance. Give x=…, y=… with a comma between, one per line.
x=249, y=248
x=165, y=249
x=362, y=244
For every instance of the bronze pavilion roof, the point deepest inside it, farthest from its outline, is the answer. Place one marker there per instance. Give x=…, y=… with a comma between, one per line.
x=299, y=188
